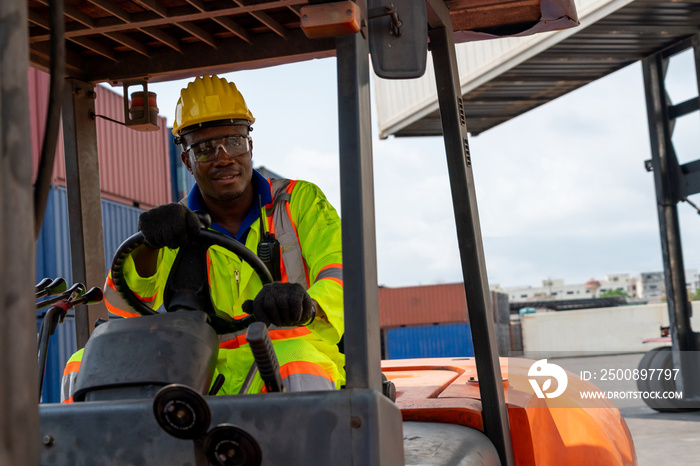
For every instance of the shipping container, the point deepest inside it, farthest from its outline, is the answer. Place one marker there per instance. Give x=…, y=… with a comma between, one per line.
x=53, y=260
x=134, y=165
x=401, y=102
x=516, y=338
x=53, y=246
x=502, y=332
x=264, y=171
x=182, y=180
x=501, y=307
x=433, y=304
x=422, y=305
x=428, y=341
x=119, y=222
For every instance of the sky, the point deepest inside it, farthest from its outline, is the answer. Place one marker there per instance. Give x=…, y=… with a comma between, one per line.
x=562, y=190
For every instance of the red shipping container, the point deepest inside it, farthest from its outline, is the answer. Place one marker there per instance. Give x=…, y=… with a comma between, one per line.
x=422, y=305
x=432, y=304
x=134, y=165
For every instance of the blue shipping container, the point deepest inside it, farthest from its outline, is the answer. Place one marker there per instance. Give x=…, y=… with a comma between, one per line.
x=119, y=221
x=53, y=245
x=429, y=341
x=53, y=260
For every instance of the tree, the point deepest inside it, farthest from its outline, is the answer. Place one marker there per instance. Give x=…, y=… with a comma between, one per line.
x=614, y=293
x=695, y=296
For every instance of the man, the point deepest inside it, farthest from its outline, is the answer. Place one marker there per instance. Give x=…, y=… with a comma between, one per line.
x=213, y=125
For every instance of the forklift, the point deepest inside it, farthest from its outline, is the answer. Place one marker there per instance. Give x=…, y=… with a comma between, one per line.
x=480, y=410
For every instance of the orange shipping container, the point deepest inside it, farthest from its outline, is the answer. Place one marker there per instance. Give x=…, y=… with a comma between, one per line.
x=422, y=305
x=432, y=304
x=134, y=165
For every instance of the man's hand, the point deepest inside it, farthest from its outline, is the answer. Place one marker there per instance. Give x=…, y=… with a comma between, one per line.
x=169, y=225
x=282, y=305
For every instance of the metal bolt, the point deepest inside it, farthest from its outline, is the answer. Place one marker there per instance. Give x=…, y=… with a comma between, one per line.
x=47, y=440
x=92, y=95
x=355, y=422
x=79, y=91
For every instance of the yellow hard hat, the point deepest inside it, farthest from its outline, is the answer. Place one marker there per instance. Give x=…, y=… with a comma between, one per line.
x=210, y=99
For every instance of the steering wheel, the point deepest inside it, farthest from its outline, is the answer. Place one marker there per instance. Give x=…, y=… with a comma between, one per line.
x=185, y=290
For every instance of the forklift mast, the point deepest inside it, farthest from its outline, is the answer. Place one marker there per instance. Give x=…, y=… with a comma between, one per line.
x=674, y=182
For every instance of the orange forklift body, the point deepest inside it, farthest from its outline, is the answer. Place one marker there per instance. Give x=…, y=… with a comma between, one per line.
x=566, y=430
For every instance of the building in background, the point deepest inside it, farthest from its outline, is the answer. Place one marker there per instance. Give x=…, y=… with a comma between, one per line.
x=694, y=280
x=643, y=286
x=557, y=289
x=651, y=285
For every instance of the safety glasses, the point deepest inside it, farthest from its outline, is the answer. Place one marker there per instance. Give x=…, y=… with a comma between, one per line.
x=208, y=150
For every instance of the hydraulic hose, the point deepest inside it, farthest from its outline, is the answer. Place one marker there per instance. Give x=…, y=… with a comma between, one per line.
x=53, y=115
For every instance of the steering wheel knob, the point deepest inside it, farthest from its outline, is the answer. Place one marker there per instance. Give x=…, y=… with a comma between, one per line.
x=204, y=217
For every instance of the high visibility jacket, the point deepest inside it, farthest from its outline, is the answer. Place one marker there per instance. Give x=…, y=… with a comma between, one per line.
x=308, y=229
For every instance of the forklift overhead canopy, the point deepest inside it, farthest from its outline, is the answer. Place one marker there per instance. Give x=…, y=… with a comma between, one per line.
x=502, y=80
x=168, y=39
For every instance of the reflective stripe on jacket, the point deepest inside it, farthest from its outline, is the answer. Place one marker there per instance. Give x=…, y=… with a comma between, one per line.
x=70, y=373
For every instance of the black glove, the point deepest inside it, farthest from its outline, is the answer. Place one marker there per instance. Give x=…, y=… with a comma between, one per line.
x=282, y=305
x=172, y=225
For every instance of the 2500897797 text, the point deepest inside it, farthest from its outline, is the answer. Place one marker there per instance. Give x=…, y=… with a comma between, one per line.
x=630, y=374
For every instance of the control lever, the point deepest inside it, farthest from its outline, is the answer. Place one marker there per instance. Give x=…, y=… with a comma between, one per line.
x=93, y=296
x=56, y=286
x=55, y=315
x=42, y=284
x=265, y=357
x=70, y=293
